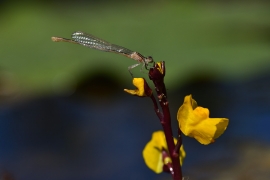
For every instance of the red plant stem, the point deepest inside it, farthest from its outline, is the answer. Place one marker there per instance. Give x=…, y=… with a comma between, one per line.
x=170, y=143
x=178, y=144
x=156, y=74
x=167, y=164
x=157, y=111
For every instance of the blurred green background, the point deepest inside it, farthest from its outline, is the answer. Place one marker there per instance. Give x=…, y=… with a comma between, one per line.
x=217, y=50
x=229, y=39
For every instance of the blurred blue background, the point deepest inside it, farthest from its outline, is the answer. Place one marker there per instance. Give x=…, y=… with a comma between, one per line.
x=63, y=112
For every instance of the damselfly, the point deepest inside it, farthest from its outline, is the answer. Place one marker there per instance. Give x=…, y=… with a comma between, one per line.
x=93, y=42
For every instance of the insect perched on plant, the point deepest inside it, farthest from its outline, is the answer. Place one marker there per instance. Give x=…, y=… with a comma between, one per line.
x=93, y=42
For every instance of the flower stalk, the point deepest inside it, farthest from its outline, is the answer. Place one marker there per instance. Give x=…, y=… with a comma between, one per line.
x=164, y=153
x=178, y=144
x=157, y=74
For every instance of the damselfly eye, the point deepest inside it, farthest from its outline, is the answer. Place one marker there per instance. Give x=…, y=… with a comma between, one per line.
x=150, y=59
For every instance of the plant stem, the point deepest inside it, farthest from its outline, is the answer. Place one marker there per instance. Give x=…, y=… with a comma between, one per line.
x=156, y=74
x=167, y=162
x=178, y=144
x=170, y=143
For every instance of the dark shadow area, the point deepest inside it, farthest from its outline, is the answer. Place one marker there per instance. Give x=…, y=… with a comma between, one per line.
x=98, y=128
x=80, y=136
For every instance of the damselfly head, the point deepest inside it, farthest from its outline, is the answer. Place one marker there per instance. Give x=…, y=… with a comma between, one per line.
x=149, y=59
x=148, y=62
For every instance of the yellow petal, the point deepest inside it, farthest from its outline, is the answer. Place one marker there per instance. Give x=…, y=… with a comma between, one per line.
x=139, y=84
x=152, y=152
x=159, y=67
x=194, y=122
x=182, y=154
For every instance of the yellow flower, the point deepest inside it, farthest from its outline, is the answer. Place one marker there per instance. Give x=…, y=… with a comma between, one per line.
x=152, y=153
x=194, y=122
x=142, y=88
